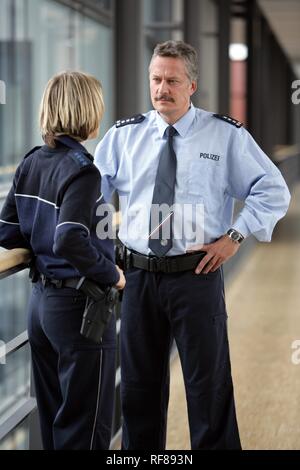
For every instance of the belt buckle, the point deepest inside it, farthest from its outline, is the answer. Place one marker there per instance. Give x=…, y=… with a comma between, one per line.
x=156, y=264
x=58, y=283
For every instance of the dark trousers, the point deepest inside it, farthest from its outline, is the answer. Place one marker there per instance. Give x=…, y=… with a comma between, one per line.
x=74, y=378
x=190, y=308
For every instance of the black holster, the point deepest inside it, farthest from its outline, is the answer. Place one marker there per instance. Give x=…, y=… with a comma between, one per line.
x=120, y=255
x=98, y=309
x=34, y=274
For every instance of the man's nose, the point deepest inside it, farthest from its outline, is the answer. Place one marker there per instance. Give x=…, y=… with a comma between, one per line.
x=163, y=87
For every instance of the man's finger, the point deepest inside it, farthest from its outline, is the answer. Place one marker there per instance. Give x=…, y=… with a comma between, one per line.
x=212, y=266
x=203, y=263
x=216, y=266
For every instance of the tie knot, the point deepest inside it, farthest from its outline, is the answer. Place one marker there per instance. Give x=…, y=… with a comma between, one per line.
x=171, y=131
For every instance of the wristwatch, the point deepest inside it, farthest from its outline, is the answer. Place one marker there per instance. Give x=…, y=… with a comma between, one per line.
x=235, y=235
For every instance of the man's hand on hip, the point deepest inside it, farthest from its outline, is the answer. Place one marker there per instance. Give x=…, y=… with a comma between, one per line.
x=216, y=254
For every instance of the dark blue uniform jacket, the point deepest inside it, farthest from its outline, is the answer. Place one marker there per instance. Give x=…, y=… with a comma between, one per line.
x=51, y=210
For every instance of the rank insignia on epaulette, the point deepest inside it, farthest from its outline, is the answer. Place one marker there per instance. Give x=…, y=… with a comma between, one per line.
x=228, y=119
x=80, y=157
x=137, y=119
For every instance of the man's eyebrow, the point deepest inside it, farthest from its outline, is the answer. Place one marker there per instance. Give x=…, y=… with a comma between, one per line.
x=155, y=75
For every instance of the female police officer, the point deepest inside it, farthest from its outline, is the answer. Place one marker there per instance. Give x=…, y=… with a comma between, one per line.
x=51, y=209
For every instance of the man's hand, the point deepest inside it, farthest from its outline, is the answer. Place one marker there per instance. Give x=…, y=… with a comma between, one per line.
x=122, y=281
x=216, y=254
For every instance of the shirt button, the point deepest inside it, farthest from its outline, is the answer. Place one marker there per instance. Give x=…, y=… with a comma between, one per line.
x=164, y=242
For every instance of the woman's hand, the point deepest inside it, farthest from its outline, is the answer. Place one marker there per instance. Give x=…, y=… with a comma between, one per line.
x=122, y=281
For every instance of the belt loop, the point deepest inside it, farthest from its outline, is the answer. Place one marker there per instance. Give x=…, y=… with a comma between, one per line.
x=124, y=256
x=128, y=259
x=168, y=265
x=152, y=264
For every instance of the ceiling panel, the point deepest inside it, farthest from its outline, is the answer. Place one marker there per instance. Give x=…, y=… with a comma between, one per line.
x=284, y=19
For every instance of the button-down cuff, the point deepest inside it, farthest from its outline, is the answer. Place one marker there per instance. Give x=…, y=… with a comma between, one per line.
x=241, y=226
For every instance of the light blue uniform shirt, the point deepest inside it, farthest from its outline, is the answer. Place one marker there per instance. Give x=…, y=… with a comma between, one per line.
x=216, y=164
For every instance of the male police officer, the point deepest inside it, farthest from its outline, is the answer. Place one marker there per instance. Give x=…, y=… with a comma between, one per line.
x=172, y=156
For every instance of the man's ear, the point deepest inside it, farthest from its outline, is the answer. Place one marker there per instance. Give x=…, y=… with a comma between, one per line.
x=194, y=87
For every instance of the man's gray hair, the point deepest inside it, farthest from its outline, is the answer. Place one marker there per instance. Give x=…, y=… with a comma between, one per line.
x=179, y=50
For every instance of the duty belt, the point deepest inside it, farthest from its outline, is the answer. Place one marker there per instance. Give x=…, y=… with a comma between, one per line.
x=73, y=282
x=164, y=264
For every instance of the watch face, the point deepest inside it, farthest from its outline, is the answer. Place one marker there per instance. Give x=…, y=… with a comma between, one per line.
x=235, y=236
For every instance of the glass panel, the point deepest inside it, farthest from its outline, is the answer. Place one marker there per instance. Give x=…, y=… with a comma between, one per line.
x=14, y=295
x=157, y=10
x=18, y=439
x=208, y=57
x=93, y=54
x=105, y=4
x=14, y=380
x=168, y=12
x=146, y=105
x=39, y=38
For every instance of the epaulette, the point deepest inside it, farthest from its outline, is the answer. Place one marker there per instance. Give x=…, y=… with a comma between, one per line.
x=228, y=119
x=82, y=158
x=137, y=119
x=32, y=151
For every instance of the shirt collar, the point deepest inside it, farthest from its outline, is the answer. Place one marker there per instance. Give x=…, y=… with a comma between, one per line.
x=182, y=125
x=74, y=145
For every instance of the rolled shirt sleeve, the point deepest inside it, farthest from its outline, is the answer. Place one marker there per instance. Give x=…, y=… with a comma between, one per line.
x=105, y=159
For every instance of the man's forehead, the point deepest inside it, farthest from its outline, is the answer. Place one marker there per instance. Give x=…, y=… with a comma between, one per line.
x=167, y=66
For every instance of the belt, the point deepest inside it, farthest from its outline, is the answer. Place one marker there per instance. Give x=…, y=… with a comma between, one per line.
x=73, y=282
x=164, y=264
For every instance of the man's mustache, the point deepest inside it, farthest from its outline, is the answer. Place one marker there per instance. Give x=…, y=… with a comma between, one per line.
x=164, y=97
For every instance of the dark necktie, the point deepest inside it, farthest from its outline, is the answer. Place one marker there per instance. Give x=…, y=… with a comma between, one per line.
x=163, y=193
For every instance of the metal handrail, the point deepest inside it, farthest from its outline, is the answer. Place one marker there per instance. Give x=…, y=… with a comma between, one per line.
x=284, y=152
x=25, y=408
x=12, y=261
x=15, y=344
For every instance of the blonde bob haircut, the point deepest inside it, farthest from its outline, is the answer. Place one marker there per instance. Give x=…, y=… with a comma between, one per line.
x=72, y=104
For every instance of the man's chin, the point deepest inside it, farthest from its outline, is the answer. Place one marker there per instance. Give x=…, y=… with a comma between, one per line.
x=162, y=106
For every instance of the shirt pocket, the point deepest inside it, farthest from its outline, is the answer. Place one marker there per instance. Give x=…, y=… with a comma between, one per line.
x=203, y=176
